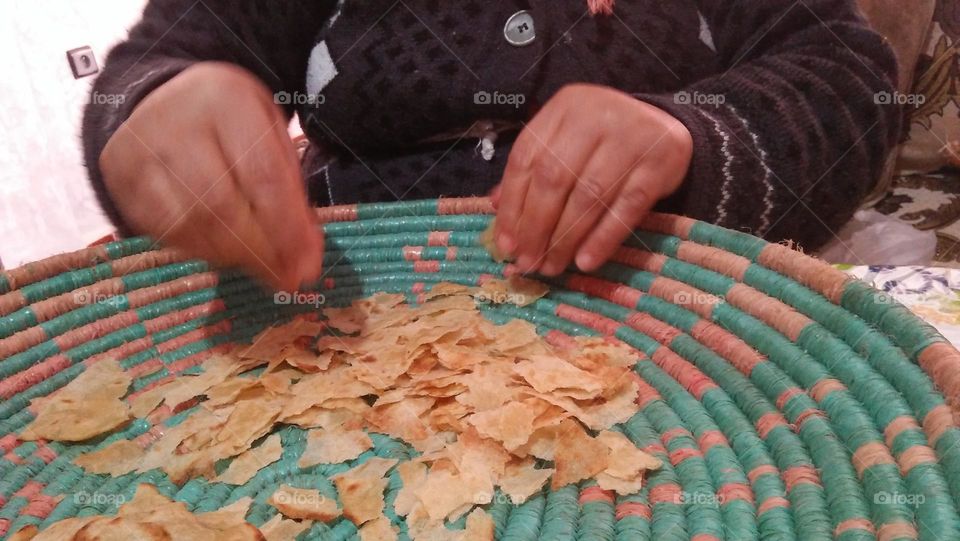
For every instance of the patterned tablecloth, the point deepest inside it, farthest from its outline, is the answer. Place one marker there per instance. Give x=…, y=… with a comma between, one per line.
x=933, y=293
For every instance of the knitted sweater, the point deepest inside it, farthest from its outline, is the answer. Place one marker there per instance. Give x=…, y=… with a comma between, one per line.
x=781, y=97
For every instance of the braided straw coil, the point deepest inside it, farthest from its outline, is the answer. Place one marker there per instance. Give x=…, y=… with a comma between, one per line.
x=786, y=399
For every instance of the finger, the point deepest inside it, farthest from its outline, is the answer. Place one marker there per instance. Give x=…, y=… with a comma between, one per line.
x=495, y=196
x=217, y=223
x=516, y=180
x=555, y=173
x=631, y=204
x=513, y=191
x=232, y=236
x=268, y=175
x=587, y=203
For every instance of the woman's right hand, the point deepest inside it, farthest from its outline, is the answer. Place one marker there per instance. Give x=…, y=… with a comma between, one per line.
x=205, y=164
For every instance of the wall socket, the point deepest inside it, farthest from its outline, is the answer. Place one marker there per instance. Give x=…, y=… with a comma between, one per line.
x=82, y=62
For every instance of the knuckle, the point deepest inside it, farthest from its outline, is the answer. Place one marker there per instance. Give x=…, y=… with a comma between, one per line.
x=635, y=199
x=522, y=155
x=548, y=173
x=591, y=188
x=219, y=201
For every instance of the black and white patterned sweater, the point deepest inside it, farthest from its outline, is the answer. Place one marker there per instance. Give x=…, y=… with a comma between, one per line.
x=781, y=97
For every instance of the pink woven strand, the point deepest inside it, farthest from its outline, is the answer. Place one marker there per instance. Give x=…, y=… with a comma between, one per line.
x=775, y=502
x=596, y=494
x=824, y=387
x=941, y=362
x=854, y=524
x=869, y=455
x=813, y=273
x=52, y=266
x=771, y=311
x=897, y=530
x=438, y=238
x=464, y=205
x=898, y=426
x=12, y=301
x=937, y=423
x=339, y=213
x=653, y=327
x=735, y=491
x=666, y=493
x=715, y=259
x=800, y=475
x=915, y=456
x=759, y=471
x=633, y=509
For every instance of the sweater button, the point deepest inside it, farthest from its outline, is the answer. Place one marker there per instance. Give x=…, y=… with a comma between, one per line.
x=519, y=29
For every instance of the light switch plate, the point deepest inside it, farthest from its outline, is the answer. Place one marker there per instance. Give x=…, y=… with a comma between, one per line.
x=82, y=62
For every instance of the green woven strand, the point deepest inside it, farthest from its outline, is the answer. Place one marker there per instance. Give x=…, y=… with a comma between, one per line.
x=704, y=279
x=402, y=273
x=560, y=514
x=633, y=528
x=894, y=319
x=694, y=476
x=419, y=238
x=653, y=242
x=750, y=402
x=596, y=519
x=632, y=337
x=406, y=225
x=67, y=281
x=398, y=209
x=127, y=247
x=349, y=258
x=908, y=379
x=525, y=520
x=855, y=427
x=669, y=521
x=737, y=242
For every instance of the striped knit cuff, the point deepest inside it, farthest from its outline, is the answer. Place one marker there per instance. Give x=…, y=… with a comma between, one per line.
x=729, y=165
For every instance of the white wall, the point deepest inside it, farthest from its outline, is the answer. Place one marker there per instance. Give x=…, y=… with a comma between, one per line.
x=46, y=205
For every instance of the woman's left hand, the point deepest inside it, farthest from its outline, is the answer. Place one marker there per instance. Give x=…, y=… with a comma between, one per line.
x=583, y=174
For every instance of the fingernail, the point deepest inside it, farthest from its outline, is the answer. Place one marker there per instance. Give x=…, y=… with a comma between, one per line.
x=585, y=262
x=306, y=271
x=506, y=243
x=525, y=263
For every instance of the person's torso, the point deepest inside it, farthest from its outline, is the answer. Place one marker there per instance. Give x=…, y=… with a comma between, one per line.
x=390, y=77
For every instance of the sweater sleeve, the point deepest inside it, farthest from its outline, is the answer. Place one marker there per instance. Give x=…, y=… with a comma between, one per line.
x=791, y=137
x=271, y=39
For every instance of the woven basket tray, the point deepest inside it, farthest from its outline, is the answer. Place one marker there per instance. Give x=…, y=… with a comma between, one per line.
x=786, y=400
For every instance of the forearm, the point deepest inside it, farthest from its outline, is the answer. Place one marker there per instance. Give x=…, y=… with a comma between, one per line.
x=791, y=137
x=272, y=40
